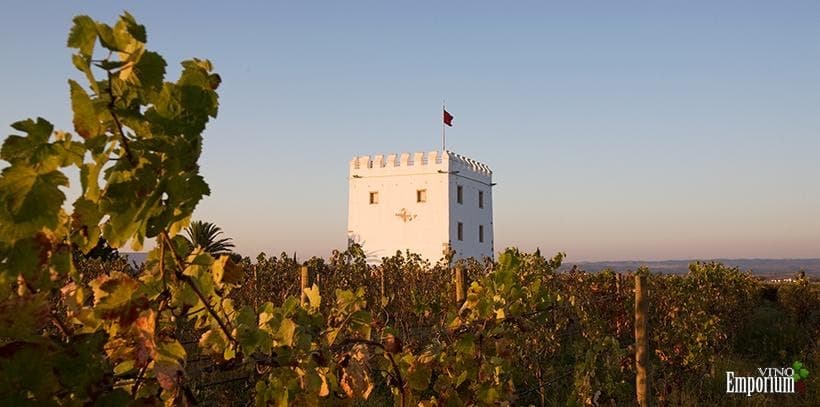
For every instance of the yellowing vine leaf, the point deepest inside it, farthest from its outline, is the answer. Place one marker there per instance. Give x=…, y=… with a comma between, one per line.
x=225, y=271
x=355, y=380
x=86, y=122
x=314, y=299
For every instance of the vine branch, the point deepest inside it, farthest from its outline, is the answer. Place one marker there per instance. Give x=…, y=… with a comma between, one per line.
x=187, y=279
x=60, y=326
x=138, y=381
x=117, y=121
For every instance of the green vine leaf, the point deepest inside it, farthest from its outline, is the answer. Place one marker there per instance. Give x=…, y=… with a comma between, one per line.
x=83, y=35
x=86, y=123
x=31, y=149
x=134, y=29
x=31, y=195
x=149, y=71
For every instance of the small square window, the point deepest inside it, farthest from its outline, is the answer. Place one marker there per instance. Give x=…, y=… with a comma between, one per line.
x=460, y=231
x=481, y=233
x=421, y=195
x=374, y=198
x=459, y=194
x=480, y=199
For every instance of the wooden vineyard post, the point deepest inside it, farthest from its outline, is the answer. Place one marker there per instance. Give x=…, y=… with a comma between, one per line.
x=304, y=282
x=461, y=285
x=381, y=275
x=641, y=341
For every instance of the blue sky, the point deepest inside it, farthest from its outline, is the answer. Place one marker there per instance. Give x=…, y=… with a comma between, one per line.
x=617, y=130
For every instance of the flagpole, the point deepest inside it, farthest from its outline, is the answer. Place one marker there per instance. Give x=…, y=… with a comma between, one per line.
x=443, y=144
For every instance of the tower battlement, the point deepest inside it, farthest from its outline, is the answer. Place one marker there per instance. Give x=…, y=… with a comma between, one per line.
x=469, y=163
x=435, y=160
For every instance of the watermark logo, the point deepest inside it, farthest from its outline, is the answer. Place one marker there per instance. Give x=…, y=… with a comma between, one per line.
x=800, y=375
x=770, y=380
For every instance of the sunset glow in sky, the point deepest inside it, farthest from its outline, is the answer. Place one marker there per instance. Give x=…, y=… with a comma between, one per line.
x=615, y=130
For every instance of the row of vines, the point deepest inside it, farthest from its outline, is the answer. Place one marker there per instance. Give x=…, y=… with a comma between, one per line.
x=527, y=334
x=187, y=328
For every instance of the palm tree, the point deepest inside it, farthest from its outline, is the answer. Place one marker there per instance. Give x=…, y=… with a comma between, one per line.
x=205, y=235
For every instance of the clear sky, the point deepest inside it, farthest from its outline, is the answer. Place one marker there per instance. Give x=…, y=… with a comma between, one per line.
x=616, y=130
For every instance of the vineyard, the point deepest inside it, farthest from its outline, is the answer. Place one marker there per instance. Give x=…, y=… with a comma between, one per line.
x=190, y=328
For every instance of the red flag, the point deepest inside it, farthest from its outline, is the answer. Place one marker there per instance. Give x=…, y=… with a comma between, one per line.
x=448, y=118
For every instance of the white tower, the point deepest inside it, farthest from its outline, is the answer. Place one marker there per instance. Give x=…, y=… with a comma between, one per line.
x=424, y=202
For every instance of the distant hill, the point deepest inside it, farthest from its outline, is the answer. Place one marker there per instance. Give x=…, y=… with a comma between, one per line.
x=768, y=268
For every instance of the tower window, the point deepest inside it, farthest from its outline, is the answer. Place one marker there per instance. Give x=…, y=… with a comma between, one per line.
x=481, y=233
x=460, y=231
x=480, y=199
x=421, y=195
x=459, y=194
x=374, y=198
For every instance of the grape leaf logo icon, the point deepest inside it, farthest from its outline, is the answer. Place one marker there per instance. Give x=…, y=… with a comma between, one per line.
x=800, y=372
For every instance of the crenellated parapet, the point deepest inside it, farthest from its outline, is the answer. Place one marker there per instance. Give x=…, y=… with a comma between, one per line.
x=365, y=162
x=469, y=163
x=446, y=161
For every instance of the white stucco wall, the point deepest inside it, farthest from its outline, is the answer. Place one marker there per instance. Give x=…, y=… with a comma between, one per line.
x=398, y=222
x=472, y=177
